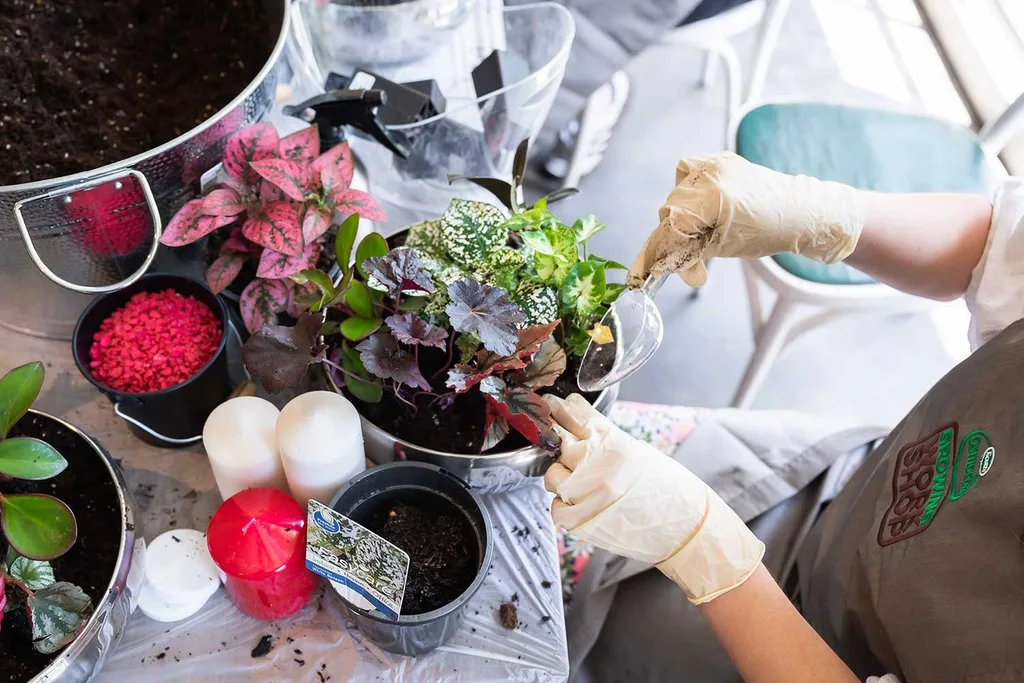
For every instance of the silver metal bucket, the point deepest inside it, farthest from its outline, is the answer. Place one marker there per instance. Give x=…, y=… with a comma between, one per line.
x=49, y=264
x=484, y=473
x=80, y=660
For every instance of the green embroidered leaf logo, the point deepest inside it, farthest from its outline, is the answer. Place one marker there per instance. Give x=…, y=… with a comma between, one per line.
x=383, y=357
x=471, y=230
x=57, y=613
x=487, y=311
x=278, y=356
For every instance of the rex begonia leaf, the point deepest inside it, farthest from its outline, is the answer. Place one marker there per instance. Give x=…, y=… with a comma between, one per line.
x=369, y=389
x=34, y=574
x=278, y=356
x=464, y=376
x=544, y=369
x=383, y=357
x=524, y=410
x=399, y=270
x=487, y=311
x=412, y=329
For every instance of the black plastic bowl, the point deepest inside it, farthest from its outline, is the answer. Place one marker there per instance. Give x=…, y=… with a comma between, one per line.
x=172, y=417
x=415, y=481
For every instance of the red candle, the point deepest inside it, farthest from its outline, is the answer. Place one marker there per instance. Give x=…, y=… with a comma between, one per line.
x=258, y=538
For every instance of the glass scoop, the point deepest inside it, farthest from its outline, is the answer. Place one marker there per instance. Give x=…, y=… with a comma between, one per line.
x=636, y=328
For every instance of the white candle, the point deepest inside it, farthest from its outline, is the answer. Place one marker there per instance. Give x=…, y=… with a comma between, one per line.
x=321, y=445
x=241, y=442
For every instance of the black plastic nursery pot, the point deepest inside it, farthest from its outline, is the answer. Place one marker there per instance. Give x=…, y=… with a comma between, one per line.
x=420, y=484
x=172, y=417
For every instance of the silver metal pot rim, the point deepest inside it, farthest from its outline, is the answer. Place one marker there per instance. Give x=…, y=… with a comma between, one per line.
x=94, y=624
x=272, y=59
x=423, y=449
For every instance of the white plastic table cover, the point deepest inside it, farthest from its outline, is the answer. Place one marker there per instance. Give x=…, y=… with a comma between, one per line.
x=317, y=644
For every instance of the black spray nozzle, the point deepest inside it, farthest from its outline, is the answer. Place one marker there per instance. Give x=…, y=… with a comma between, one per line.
x=334, y=110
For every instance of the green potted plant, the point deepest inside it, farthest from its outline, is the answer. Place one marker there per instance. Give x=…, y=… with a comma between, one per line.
x=447, y=337
x=49, y=586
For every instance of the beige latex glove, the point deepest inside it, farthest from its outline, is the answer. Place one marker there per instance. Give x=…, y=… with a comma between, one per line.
x=723, y=205
x=622, y=495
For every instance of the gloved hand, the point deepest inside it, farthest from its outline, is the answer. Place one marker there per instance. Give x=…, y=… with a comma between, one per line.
x=723, y=205
x=622, y=495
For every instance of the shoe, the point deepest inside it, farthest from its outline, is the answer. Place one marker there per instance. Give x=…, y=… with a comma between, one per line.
x=583, y=142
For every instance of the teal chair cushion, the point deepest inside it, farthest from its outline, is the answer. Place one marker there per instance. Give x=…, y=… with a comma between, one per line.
x=867, y=148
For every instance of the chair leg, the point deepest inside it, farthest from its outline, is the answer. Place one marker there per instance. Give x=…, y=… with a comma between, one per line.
x=768, y=346
x=754, y=299
x=734, y=71
x=707, y=78
x=574, y=174
x=771, y=27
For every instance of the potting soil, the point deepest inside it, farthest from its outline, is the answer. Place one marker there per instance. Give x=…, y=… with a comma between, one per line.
x=88, y=490
x=443, y=554
x=90, y=82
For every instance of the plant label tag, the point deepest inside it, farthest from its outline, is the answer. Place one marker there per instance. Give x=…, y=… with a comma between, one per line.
x=367, y=569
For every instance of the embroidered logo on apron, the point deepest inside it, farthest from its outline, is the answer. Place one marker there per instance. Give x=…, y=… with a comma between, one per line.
x=923, y=478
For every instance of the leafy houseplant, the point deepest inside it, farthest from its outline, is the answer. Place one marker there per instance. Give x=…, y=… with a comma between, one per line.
x=479, y=306
x=37, y=527
x=278, y=198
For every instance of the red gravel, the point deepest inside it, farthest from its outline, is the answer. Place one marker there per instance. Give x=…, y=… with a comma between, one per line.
x=157, y=340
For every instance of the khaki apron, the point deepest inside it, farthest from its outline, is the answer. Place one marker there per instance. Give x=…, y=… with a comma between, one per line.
x=915, y=568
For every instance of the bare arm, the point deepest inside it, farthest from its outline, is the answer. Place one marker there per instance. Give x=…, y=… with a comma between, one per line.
x=924, y=244
x=767, y=638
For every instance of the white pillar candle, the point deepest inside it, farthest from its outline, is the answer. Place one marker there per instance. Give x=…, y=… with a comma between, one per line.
x=321, y=445
x=241, y=442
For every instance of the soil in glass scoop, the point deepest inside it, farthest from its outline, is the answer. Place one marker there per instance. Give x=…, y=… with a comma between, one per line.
x=85, y=83
x=443, y=557
x=89, y=491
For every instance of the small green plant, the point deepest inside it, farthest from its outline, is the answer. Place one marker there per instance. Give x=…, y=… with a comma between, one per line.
x=38, y=527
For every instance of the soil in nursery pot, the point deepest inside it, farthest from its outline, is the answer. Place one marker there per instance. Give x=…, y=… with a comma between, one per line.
x=442, y=548
x=90, y=82
x=88, y=490
x=456, y=427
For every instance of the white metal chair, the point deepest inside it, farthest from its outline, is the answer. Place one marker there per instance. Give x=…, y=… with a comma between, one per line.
x=831, y=291
x=712, y=35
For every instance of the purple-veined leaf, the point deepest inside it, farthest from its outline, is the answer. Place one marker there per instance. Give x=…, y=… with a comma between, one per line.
x=183, y=228
x=486, y=310
x=524, y=410
x=223, y=271
x=276, y=227
x=384, y=358
x=463, y=377
x=349, y=201
x=302, y=146
x=57, y=614
x=412, y=329
x=544, y=369
x=399, y=270
x=223, y=202
x=253, y=143
x=289, y=176
x=316, y=222
x=278, y=356
x=299, y=294
x=333, y=170
x=275, y=265
x=261, y=301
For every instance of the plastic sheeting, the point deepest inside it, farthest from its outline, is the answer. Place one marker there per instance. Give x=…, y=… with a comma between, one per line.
x=318, y=645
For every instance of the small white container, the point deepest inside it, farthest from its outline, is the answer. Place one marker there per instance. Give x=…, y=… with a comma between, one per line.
x=321, y=443
x=241, y=442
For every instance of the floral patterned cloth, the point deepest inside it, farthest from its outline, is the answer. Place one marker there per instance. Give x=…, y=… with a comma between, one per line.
x=664, y=427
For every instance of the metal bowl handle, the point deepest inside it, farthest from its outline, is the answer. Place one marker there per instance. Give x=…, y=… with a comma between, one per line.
x=149, y=430
x=67, y=193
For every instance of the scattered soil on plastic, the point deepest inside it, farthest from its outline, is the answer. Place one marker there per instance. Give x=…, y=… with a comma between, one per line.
x=263, y=647
x=508, y=614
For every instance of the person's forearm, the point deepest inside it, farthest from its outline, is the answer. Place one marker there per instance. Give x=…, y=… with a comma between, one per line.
x=924, y=244
x=767, y=638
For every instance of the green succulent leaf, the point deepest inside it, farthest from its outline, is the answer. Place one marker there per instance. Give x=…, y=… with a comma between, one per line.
x=358, y=299
x=56, y=613
x=35, y=574
x=356, y=329
x=472, y=230
x=26, y=458
x=344, y=240
x=38, y=526
x=584, y=287
x=372, y=245
x=18, y=389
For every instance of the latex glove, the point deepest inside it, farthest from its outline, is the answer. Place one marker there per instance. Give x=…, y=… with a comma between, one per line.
x=622, y=495
x=723, y=205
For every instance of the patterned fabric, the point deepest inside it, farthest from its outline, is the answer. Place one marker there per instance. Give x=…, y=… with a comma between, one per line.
x=664, y=427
